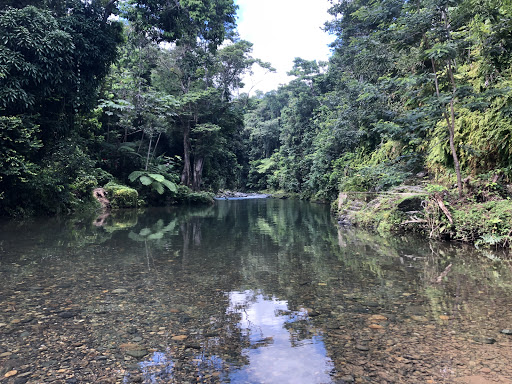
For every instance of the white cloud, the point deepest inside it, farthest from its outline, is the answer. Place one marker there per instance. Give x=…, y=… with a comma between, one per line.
x=280, y=31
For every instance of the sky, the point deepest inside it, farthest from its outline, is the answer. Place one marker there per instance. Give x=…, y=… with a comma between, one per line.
x=282, y=30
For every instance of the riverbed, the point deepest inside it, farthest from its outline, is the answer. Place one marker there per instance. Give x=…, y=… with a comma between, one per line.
x=246, y=291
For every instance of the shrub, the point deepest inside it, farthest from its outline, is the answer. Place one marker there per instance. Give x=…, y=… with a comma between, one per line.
x=491, y=220
x=121, y=196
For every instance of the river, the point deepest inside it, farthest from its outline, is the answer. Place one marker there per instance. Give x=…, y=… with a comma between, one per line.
x=246, y=291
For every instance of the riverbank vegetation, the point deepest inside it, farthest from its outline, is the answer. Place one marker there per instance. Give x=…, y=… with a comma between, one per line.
x=128, y=94
x=145, y=94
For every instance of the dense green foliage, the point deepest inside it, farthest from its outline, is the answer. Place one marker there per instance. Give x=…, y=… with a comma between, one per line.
x=86, y=100
x=410, y=87
x=151, y=101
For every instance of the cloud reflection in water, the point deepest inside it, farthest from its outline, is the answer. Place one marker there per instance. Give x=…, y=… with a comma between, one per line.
x=280, y=351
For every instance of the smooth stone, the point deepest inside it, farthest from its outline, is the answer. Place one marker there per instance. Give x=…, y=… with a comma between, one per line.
x=137, y=339
x=137, y=353
x=484, y=340
x=507, y=331
x=66, y=315
x=120, y=290
x=420, y=319
x=347, y=379
x=361, y=347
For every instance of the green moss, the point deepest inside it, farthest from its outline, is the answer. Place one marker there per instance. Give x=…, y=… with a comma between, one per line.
x=121, y=196
x=389, y=213
x=186, y=195
x=481, y=223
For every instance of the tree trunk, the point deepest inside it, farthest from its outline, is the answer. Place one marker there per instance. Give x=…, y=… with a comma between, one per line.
x=198, y=173
x=156, y=145
x=456, y=162
x=450, y=121
x=185, y=175
x=149, y=152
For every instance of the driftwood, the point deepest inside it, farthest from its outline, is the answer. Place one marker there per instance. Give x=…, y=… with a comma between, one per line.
x=440, y=202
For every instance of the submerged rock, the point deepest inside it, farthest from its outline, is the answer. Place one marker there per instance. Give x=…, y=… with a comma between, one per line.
x=137, y=353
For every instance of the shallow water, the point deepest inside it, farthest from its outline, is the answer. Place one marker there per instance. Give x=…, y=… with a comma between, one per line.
x=246, y=291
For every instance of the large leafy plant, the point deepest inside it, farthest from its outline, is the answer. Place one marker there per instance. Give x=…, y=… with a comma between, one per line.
x=156, y=181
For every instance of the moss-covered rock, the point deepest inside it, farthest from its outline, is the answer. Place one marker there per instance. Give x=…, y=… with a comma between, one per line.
x=384, y=212
x=439, y=215
x=392, y=213
x=185, y=195
x=121, y=196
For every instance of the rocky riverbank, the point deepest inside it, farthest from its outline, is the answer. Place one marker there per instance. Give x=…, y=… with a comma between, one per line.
x=234, y=195
x=483, y=218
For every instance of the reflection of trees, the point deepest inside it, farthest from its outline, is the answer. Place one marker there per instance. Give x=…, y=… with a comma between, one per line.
x=288, y=249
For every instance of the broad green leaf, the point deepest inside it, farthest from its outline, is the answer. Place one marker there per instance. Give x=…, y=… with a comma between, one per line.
x=145, y=232
x=146, y=180
x=156, y=236
x=170, y=185
x=135, y=175
x=158, y=187
x=156, y=177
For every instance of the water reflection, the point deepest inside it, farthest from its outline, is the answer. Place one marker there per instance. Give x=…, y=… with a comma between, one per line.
x=245, y=292
x=278, y=346
x=158, y=367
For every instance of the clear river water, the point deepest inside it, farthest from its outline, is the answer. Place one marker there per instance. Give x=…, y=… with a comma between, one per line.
x=246, y=291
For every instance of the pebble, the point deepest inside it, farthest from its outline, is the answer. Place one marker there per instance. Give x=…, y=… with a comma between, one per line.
x=120, y=290
x=66, y=315
x=137, y=353
x=11, y=373
x=484, y=340
x=507, y=331
x=361, y=347
x=420, y=319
